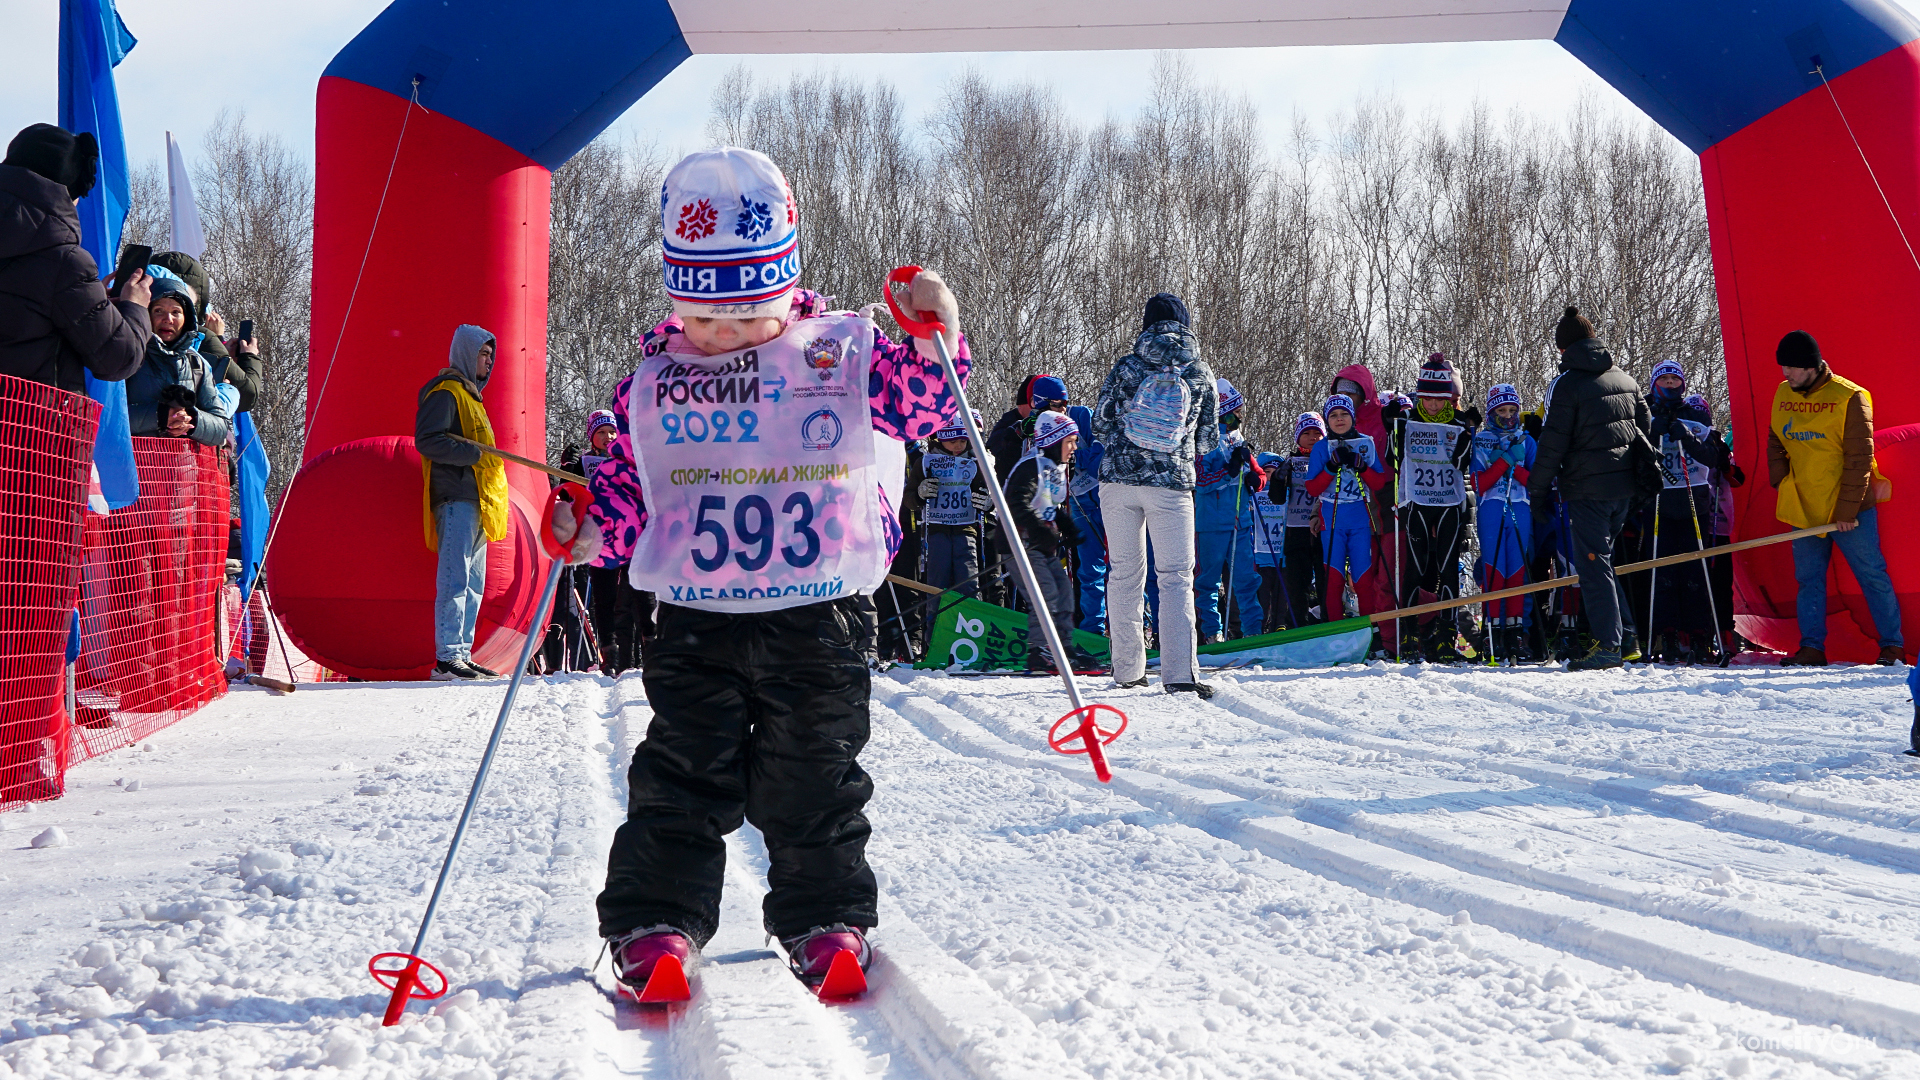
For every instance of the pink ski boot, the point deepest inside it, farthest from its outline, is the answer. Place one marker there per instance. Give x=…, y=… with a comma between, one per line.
x=831, y=959
x=650, y=964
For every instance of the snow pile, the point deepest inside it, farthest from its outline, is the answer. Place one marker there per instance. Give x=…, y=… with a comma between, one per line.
x=1390, y=871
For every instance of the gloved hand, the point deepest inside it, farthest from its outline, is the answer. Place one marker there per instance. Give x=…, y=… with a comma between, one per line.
x=929, y=488
x=982, y=501
x=565, y=525
x=1735, y=474
x=1347, y=457
x=1252, y=481
x=1238, y=460
x=1046, y=538
x=1469, y=416
x=1530, y=424
x=1516, y=453
x=1390, y=412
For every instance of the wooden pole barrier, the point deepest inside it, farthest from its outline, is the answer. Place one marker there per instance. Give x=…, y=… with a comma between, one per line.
x=1630, y=568
x=518, y=460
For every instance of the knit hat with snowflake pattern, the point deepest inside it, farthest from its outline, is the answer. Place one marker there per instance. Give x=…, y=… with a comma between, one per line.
x=729, y=234
x=1051, y=428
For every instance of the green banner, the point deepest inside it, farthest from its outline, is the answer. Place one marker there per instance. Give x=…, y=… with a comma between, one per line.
x=973, y=635
x=978, y=636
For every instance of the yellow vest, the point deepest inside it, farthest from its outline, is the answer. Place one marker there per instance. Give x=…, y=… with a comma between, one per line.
x=489, y=473
x=1813, y=429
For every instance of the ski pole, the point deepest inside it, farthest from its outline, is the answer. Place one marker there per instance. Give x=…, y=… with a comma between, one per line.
x=406, y=982
x=1700, y=542
x=1088, y=733
x=1399, y=524
x=1233, y=548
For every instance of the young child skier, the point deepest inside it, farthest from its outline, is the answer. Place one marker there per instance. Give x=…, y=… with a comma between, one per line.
x=947, y=489
x=1430, y=451
x=1223, y=525
x=1502, y=459
x=1270, y=543
x=1720, y=534
x=1305, y=569
x=1680, y=616
x=1037, y=496
x=1343, y=473
x=755, y=518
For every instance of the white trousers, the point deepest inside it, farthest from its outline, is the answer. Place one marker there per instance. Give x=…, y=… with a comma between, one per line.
x=1133, y=514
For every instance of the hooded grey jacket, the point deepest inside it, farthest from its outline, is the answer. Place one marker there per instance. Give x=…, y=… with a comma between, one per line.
x=1158, y=345
x=439, y=417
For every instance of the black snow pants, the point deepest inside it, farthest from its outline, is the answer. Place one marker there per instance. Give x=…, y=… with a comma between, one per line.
x=1306, y=574
x=1435, y=536
x=758, y=716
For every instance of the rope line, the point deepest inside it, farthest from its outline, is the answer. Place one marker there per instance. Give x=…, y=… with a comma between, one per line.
x=1820, y=70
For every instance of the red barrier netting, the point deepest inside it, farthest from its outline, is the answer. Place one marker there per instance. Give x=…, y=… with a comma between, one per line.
x=46, y=454
x=150, y=584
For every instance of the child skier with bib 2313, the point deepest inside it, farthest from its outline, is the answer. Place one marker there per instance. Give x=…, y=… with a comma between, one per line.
x=743, y=487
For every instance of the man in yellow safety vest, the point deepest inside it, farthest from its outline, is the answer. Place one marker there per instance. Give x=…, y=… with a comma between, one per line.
x=464, y=499
x=1820, y=457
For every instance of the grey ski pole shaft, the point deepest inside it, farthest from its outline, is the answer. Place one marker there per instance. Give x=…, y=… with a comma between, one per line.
x=1017, y=550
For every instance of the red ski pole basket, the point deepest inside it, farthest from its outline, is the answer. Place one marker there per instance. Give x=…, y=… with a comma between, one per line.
x=1086, y=736
x=405, y=982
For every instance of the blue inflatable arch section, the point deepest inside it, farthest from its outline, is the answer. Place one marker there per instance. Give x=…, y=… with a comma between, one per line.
x=507, y=92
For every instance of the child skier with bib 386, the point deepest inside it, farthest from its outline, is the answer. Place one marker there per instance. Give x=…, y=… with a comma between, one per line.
x=1302, y=565
x=744, y=489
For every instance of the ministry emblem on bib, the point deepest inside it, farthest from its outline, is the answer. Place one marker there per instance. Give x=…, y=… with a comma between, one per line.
x=820, y=431
x=823, y=355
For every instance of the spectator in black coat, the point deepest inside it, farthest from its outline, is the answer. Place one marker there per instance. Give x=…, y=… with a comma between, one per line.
x=56, y=321
x=1595, y=420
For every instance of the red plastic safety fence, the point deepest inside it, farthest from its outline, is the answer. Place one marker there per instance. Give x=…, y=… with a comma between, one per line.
x=151, y=650
x=46, y=454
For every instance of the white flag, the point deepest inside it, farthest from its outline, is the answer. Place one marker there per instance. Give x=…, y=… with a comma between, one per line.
x=187, y=234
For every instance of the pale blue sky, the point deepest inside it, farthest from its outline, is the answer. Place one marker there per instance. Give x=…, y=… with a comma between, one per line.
x=280, y=48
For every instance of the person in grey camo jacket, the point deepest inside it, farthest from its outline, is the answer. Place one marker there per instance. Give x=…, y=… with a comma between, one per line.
x=1146, y=493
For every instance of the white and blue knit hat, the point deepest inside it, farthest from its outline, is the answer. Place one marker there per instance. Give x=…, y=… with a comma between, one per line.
x=1668, y=367
x=1337, y=401
x=1502, y=394
x=728, y=235
x=1308, y=420
x=1051, y=428
x=954, y=429
x=1230, y=399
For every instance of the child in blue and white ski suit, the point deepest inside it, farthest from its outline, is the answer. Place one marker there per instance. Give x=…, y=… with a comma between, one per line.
x=1344, y=471
x=1224, y=479
x=1503, y=456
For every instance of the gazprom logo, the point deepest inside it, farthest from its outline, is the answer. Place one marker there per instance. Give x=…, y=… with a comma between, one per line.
x=1800, y=436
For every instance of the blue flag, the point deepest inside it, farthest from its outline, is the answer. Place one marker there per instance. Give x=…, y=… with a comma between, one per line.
x=93, y=41
x=254, y=470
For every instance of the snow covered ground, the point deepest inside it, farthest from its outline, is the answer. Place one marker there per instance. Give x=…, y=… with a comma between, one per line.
x=1372, y=872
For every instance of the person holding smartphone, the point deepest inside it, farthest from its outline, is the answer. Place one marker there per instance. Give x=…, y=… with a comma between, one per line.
x=57, y=322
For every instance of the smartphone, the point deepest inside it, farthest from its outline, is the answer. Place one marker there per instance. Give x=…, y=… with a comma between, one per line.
x=132, y=257
x=246, y=329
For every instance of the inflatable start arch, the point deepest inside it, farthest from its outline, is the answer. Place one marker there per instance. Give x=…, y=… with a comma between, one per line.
x=507, y=91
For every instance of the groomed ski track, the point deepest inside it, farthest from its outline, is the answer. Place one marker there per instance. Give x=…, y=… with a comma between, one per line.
x=1384, y=871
